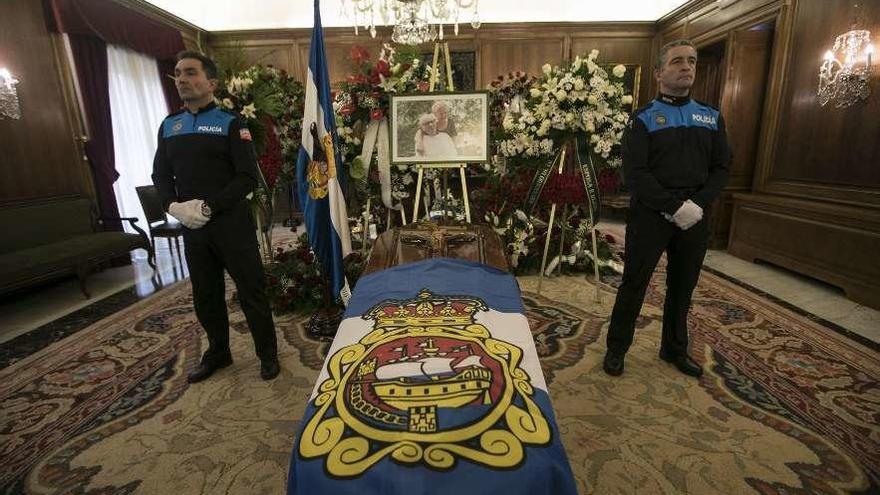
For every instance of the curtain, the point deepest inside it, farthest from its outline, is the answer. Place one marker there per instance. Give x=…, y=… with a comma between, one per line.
x=172, y=97
x=137, y=104
x=114, y=23
x=90, y=58
x=92, y=25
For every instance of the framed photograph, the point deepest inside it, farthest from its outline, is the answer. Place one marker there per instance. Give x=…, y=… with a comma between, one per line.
x=464, y=72
x=439, y=128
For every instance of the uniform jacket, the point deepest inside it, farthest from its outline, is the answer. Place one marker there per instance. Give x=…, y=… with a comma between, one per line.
x=206, y=155
x=675, y=149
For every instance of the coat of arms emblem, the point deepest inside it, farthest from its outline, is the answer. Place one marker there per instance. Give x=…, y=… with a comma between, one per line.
x=427, y=385
x=322, y=166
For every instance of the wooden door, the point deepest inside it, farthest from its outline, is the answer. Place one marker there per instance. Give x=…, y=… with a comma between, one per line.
x=741, y=104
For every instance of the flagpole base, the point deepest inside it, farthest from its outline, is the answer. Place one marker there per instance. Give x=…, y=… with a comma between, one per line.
x=324, y=322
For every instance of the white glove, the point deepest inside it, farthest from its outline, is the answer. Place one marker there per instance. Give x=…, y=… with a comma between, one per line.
x=189, y=213
x=687, y=215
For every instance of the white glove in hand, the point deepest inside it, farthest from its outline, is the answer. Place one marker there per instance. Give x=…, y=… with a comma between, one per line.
x=687, y=215
x=189, y=213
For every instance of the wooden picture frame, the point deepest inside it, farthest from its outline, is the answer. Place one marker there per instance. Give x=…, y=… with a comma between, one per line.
x=461, y=137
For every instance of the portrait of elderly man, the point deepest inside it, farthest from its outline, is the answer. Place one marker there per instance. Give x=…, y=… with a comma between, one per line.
x=431, y=142
x=445, y=123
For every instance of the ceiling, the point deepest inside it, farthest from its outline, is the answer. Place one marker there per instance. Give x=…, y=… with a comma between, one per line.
x=233, y=15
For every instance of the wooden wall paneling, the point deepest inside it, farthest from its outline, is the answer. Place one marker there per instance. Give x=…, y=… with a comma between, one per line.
x=276, y=55
x=831, y=152
x=567, y=54
x=834, y=243
x=725, y=13
x=278, y=52
x=500, y=56
x=780, y=58
x=696, y=19
x=832, y=232
x=676, y=32
x=337, y=45
x=499, y=48
x=39, y=156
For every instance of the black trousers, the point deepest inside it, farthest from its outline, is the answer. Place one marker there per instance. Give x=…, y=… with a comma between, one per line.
x=648, y=235
x=228, y=241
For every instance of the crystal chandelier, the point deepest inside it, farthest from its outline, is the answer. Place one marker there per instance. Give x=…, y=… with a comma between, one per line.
x=8, y=96
x=412, y=18
x=845, y=72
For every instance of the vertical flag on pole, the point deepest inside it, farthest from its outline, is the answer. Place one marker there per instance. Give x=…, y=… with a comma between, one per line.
x=320, y=172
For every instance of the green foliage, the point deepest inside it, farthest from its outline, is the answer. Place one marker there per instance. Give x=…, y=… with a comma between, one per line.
x=266, y=97
x=231, y=60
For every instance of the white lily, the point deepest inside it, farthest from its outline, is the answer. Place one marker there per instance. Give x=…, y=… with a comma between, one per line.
x=249, y=111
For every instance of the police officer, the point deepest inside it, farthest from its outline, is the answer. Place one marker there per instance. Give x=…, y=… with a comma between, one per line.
x=204, y=167
x=675, y=158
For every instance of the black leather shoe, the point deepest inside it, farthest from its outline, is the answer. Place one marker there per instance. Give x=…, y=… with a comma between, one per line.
x=207, y=368
x=269, y=369
x=613, y=364
x=684, y=363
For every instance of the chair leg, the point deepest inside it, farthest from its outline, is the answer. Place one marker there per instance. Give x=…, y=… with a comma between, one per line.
x=179, y=254
x=151, y=256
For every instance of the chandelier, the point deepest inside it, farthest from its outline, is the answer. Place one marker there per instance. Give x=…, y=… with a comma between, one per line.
x=8, y=96
x=412, y=18
x=845, y=72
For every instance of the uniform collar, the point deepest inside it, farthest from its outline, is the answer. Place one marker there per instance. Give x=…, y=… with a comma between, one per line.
x=210, y=106
x=677, y=101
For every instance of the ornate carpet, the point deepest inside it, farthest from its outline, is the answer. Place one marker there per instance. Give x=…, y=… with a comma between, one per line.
x=788, y=404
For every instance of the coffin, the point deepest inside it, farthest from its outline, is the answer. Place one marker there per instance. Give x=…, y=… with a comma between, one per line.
x=424, y=240
x=432, y=383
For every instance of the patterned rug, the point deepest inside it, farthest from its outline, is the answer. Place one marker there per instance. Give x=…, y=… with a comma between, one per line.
x=788, y=405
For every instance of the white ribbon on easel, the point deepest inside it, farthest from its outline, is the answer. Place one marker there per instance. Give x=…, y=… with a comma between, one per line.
x=376, y=137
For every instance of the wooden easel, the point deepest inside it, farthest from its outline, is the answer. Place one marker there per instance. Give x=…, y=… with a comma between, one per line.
x=593, y=221
x=561, y=159
x=462, y=172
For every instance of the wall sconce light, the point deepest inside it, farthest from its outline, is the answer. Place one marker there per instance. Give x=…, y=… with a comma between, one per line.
x=845, y=73
x=9, y=108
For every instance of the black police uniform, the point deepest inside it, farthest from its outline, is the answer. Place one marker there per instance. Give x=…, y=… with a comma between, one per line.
x=674, y=149
x=209, y=156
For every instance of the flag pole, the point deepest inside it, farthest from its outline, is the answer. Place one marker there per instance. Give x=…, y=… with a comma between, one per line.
x=320, y=169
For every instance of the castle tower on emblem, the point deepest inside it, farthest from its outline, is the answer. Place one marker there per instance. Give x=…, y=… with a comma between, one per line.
x=432, y=380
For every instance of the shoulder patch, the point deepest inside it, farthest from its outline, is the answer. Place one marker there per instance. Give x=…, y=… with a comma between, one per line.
x=174, y=124
x=642, y=109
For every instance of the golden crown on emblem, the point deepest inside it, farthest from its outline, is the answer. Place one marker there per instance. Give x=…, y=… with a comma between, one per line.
x=427, y=309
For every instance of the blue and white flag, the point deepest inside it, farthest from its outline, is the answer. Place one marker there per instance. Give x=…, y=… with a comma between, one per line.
x=431, y=385
x=320, y=172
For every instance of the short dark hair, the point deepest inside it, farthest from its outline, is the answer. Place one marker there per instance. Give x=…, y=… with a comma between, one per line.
x=661, y=55
x=208, y=65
